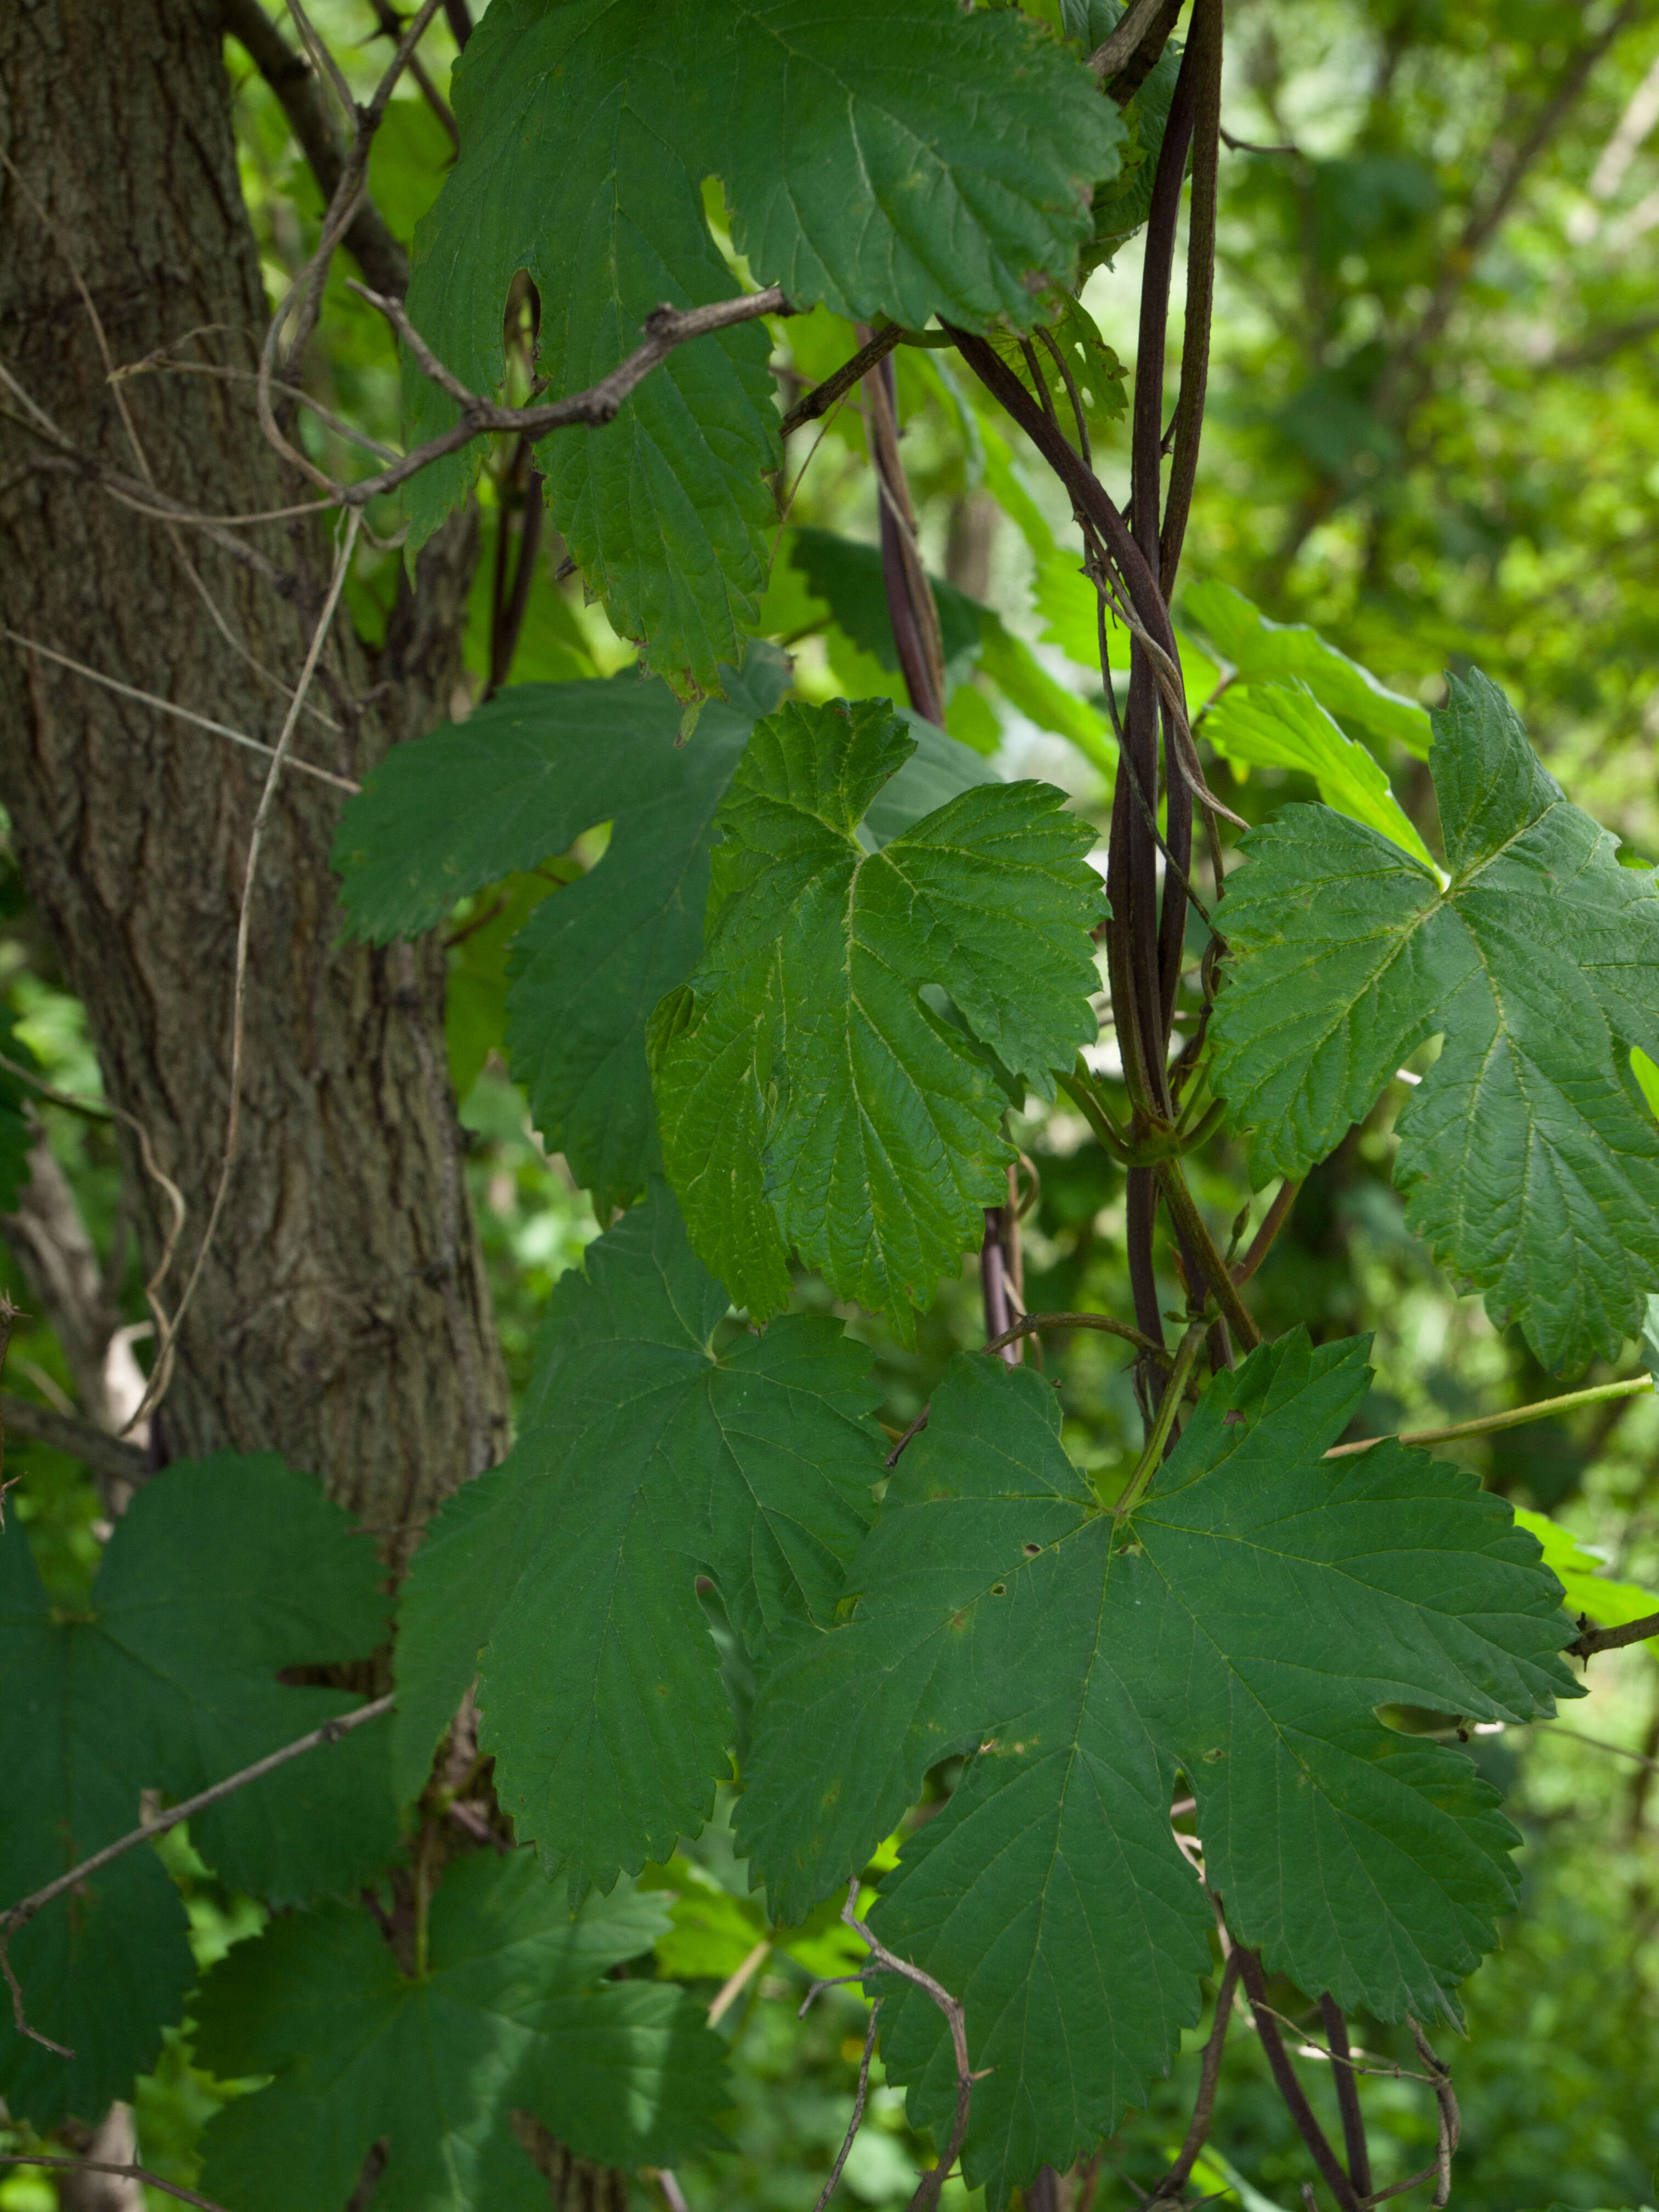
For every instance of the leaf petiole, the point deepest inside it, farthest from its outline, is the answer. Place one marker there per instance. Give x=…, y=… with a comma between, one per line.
x=1175, y=1391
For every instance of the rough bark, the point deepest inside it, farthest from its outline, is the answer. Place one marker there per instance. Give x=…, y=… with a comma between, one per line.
x=342, y=1318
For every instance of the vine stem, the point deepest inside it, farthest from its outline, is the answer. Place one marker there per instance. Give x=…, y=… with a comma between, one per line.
x=140, y=2174
x=1517, y=1417
x=17, y=1916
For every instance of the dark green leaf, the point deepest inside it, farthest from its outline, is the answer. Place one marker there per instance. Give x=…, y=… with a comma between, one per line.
x=505, y=2020
x=523, y=779
x=1240, y=1630
x=220, y=1572
x=906, y=162
x=1527, y=1156
x=651, y=1455
x=809, y=1094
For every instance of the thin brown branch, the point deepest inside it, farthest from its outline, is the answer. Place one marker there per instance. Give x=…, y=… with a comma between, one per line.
x=80, y=1439
x=1029, y=1324
x=664, y=327
x=104, y=2165
x=1191, y=1225
x=1289, y=2088
x=823, y=397
x=19, y=1915
x=1355, y=2148
x=182, y=714
x=886, y=1961
x=1205, y=49
x=854, y=2124
x=1124, y=61
x=1271, y=1222
x=1197, y=2129
x=1451, y=2120
x=293, y=81
x=167, y=1338
x=1593, y=1640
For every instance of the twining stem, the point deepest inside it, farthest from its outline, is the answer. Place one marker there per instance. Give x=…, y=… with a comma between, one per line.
x=1347, y=2095
x=1152, y=1457
x=1029, y=1324
x=1295, y=2097
x=1190, y=1225
x=1273, y=1221
x=1174, y=2184
x=1517, y=1418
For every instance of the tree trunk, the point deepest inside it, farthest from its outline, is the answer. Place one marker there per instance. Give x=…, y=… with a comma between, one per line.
x=341, y=1317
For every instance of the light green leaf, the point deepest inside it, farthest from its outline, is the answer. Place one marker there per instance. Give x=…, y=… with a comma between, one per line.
x=507, y=2020
x=906, y=162
x=1585, y=1588
x=809, y=1094
x=653, y=1452
x=1527, y=1156
x=221, y=1573
x=1239, y=1632
x=1284, y=726
x=1096, y=374
x=1264, y=651
x=522, y=779
x=846, y=579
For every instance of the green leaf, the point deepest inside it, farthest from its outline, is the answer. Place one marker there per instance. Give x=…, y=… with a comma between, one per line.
x=506, y=2020
x=1096, y=374
x=1122, y=203
x=1284, y=726
x=908, y=162
x=1239, y=1632
x=220, y=1572
x=654, y=1451
x=809, y=1094
x=1585, y=1588
x=1528, y=1156
x=1264, y=651
x=522, y=779
x=846, y=577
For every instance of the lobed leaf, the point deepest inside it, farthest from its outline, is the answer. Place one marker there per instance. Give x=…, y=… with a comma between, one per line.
x=1264, y=651
x=1240, y=1631
x=221, y=1573
x=520, y=780
x=1529, y=1157
x=567, y=1578
x=504, y=2024
x=809, y=1094
x=908, y=162
x=1284, y=726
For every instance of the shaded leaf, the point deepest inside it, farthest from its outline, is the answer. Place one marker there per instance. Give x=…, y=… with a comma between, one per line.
x=506, y=2019
x=1239, y=1632
x=906, y=162
x=220, y=1572
x=523, y=778
x=652, y=1452
x=1527, y=1156
x=809, y=1095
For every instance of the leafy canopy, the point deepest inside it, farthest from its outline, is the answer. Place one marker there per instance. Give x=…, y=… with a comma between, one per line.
x=1241, y=1630
x=520, y=781
x=908, y=162
x=809, y=1093
x=1529, y=1157
x=652, y=1452
x=220, y=1572
x=509, y=2020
